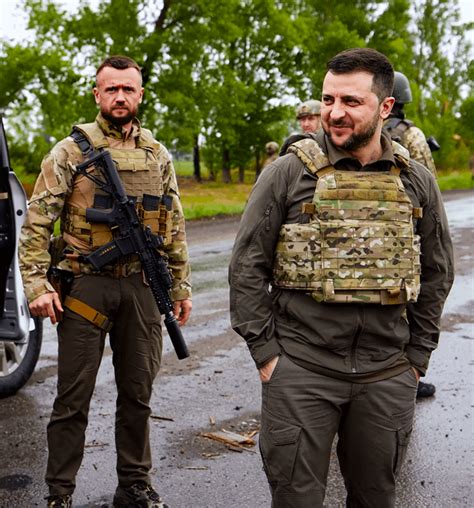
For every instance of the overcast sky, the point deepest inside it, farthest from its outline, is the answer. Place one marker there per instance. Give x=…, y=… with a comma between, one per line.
x=13, y=20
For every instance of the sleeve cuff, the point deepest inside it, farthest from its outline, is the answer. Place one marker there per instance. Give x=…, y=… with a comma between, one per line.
x=266, y=352
x=418, y=360
x=33, y=291
x=180, y=294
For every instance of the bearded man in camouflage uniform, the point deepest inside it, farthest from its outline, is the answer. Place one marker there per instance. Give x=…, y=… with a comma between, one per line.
x=405, y=131
x=339, y=310
x=117, y=294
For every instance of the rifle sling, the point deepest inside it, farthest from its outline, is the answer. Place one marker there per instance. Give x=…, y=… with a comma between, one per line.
x=89, y=313
x=84, y=144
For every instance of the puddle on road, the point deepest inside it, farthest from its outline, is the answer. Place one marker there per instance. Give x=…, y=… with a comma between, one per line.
x=462, y=294
x=460, y=212
x=15, y=482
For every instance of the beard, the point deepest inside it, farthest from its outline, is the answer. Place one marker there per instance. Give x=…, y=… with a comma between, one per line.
x=356, y=140
x=121, y=120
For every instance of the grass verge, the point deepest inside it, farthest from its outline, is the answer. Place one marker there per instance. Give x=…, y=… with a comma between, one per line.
x=209, y=199
x=456, y=180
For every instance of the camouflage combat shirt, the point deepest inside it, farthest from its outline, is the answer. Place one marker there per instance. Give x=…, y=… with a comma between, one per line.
x=360, y=342
x=50, y=195
x=413, y=139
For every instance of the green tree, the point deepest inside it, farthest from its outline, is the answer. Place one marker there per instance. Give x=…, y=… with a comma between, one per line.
x=328, y=28
x=438, y=72
x=222, y=72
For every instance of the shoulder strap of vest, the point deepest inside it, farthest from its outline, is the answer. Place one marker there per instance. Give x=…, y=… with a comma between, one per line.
x=93, y=133
x=84, y=144
x=401, y=155
x=310, y=154
x=392, y=123
x=146, y=140
x=397, y=126
x=97, y=139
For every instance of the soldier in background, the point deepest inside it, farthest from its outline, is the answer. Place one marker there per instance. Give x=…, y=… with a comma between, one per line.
x=117, y=296
x=412, y=138
x=404, y=131
x=271, y=150
x=309, y=116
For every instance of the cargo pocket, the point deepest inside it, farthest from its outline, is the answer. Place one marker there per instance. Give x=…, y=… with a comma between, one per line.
x=403, y=433
x=279, y=442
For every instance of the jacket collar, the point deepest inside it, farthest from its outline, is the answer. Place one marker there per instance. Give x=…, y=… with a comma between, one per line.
x=116, y=131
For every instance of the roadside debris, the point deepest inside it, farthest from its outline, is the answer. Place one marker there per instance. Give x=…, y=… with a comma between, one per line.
x=95, y=444
x=194, y=468
x=165, y=418
x=232, y=440
x=211, y=455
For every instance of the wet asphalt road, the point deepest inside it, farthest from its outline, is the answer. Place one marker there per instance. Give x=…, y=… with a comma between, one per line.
x=218, y=388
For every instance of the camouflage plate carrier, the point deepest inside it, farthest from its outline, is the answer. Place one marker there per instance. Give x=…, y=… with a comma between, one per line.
x=139, y=169
x=356, y=240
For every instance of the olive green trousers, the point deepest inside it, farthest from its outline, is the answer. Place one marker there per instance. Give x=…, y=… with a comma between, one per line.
x=136, y=342
x=302, y=411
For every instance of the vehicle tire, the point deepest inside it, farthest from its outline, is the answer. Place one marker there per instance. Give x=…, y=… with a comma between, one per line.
x=20, y=360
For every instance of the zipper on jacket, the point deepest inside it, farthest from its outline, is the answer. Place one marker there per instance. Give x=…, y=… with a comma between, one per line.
x=268, y=210
x=355, y=340
x=437, y=220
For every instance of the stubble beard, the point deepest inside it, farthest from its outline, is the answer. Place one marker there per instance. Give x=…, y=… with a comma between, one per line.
x=356, y=141
x=121, y=120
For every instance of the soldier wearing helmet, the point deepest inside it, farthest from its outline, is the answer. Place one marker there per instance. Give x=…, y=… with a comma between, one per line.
x=404, y=131
x=412, y=138
x=271, y=149
x=309, y=115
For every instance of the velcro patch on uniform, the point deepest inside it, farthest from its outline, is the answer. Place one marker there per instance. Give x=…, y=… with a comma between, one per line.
x=308, y=208
x=52, y=180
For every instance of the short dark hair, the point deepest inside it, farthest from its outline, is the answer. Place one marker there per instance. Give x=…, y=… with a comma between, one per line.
x=368, y=60
x=118, y=62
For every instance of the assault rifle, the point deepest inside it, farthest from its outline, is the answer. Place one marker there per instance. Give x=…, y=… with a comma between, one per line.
x=131, y=238
x=433, y=143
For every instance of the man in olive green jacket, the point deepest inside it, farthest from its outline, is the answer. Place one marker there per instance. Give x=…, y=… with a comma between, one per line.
x=339, y=310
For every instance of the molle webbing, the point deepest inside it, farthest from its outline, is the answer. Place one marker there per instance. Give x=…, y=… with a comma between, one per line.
x=139, y=169
x=154, y=212
x=355, y=243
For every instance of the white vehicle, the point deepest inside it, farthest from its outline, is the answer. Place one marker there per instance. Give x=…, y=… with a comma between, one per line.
x=20, y=334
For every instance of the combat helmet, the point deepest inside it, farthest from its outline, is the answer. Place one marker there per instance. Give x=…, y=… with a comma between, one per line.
x=401, y=88
x=271, y=147
x=307, y=108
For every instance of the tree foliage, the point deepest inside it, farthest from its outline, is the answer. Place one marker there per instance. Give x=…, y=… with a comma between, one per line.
x=226, y=75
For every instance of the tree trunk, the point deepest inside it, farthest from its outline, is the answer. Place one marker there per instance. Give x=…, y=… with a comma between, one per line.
x=212, y=173
x=226, y=178
x=196, y=160
x=241, y=174
x=258, y=168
